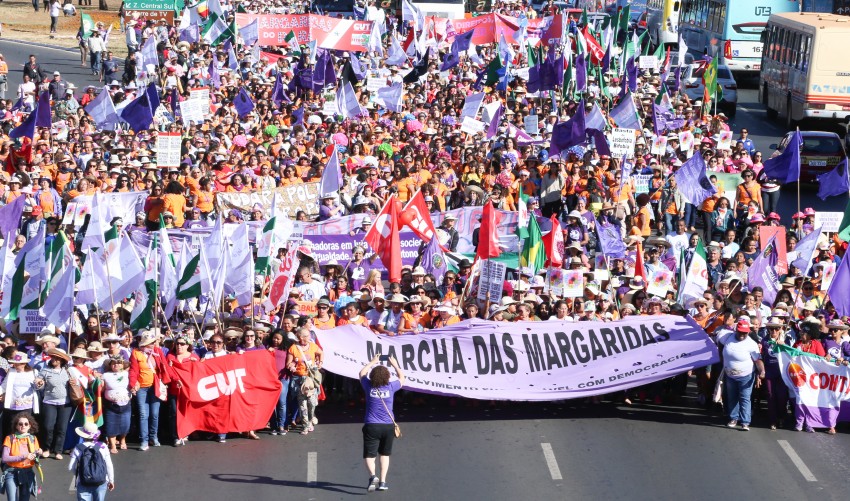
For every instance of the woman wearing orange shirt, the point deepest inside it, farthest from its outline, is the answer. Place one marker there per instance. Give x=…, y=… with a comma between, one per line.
x=154, y=207
x=445, y=316
x=175, y=202
x=204, y=200
x=749, y=190
x=324, y=319
x=411, y=321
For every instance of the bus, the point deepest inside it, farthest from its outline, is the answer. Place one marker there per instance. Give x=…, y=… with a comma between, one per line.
x=729, y=29
x=662, y=21
x=804, y=71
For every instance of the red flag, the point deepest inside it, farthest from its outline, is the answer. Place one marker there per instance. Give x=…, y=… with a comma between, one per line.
x=415, y=215
x=383, y=238
x=488, y=239
x=596, y=51
x=234, y=393
x=640, y=269
x=553, y=244
x=409, y=40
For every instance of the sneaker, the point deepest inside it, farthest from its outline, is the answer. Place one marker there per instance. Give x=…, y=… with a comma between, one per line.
x=745, y=427
x=809, y=429
x=144, y=447
x=178, y=443
x=373, y=483
x=222, y=440
x=282, y=431
x=732, y=424
x=315, y=420
x=156, y=443
x=274, y=432
x=383, y=486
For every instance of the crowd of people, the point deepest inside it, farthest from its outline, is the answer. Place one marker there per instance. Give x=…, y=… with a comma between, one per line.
x=289, y=140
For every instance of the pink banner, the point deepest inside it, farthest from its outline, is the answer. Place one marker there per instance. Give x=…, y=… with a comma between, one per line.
x=328, y=32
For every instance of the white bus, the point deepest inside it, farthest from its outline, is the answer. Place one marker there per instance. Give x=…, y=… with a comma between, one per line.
x=804, y=68
x=662, y=21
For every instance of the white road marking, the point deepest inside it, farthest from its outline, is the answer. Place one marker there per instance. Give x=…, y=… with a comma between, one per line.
x=798, y=462
x=551, y=462
x=312, y=468
x=73, y=486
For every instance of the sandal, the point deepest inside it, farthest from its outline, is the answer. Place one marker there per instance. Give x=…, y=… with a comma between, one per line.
x=253, y=436
x=58, y=456
x=113, y=450
x=304, y=432
x=123, y=447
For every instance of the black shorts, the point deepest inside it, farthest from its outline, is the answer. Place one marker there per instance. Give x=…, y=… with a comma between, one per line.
x=378, y=439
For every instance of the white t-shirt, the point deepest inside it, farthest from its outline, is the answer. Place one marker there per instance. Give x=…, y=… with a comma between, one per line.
x=738, y=356
x=312, y=291
x=55, y=9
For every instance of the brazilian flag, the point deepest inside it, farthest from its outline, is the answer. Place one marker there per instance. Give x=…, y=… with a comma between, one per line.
x=533, y=255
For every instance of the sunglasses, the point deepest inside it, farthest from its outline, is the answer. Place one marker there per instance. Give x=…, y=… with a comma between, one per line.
x=218, y=342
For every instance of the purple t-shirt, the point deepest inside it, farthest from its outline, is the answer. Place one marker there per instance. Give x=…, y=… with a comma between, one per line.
x=376, y=413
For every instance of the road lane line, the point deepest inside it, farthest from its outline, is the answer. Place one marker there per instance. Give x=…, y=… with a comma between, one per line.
x=73, y=486
x=312, y=468
x=798, y=462
x=551, y=462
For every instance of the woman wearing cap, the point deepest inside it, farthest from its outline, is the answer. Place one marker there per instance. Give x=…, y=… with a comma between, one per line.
x=148, y=375
x=740, y=356
x=117, y=408
x=777, y=392
x=182, y=353
x=18, y=390
x=56, y=412
x=89, y=435
x=379, y=427
x=20, y=454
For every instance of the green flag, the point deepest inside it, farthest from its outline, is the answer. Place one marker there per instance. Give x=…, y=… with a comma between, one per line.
x=624, y=20
x=568, y=80
x=86, y=26
x=145, y=296
x=533, y=254
x=531, y=54
x=189, y=285
x=292, y=40
x=584, y=17
x=643, y=44
x=493, y=71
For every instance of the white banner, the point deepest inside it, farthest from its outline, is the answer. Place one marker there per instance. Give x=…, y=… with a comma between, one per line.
x=168, y=149
x=472, y=105
x=622, y=143
x=471, y=126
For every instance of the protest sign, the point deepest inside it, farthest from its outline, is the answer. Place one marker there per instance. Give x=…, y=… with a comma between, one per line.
x=573, y=283
x=307, y=308
x=327, y=247
x=622, y=143
x=828, y=274
x=472, y=105
x=471, y=126
x=659, y=145
x=491, y=281
x=203, y=95
x=531, y=123
x=530, y=360
x=292, y=199
x=659, y=283
x=32, y=321
x=686, y=142
x=168, y=149
x=123, y=205
x=724, y=141
x=648, y=62
x=555, y=282
x=829, y=222
x=192, y=111
x=765, y=234
x=642, y=183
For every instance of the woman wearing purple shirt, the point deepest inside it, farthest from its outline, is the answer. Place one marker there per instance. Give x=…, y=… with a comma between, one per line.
x=379, y=429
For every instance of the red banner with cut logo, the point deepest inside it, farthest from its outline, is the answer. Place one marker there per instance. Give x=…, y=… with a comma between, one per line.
x=233, y=393
x=328, y=32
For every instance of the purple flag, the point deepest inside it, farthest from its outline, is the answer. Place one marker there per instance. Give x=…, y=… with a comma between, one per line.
x=609, y=239
x=10, y=216
x=632, y=70
x=215, y=78
x=606, y=59
x=250, y=33
x=559, y=71
x=153, y=97
x=278, y=95
x=838, y=289
x=493, y=128
x=581, y=73
x=625, y=114
x=805, y=251
x=42, y=112
x=834, y=182
x=762, y=272
x=299, y=115
x=174, y=101
x=786, y=166
x=190, y=34
x=463, y=41
x=433, y=259
x=138, y=113
x=331, y=176
x=26, y=129
x=569, y=133
x=600, y=141
x=692, y=181
x=243, y=102
x=357, y=68
x=534, y=78
x=460, y=44
x=231, y=56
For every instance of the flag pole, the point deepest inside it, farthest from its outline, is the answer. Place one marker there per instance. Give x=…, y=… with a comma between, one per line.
x=798, y=168
x=96, y=305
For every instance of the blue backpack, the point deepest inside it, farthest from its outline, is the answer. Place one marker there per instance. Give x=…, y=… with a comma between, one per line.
x=91, y=467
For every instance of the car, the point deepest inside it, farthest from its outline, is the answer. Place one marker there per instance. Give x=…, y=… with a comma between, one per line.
x=694, y=88
x=820, y=153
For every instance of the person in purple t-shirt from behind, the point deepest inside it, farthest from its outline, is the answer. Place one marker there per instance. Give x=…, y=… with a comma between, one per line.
x=379, y=429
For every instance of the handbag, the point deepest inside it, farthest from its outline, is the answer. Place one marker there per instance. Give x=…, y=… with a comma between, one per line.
x=75, y=391
x=396, y=427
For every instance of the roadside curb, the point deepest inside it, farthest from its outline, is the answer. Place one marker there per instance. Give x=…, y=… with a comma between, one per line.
x=38, y=44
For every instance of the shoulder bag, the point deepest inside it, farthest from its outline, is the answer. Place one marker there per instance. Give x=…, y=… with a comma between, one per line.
x=396, y=428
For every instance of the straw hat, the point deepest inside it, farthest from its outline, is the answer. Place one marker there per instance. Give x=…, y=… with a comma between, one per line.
x=95, y=346
x=88, y=431
x=80, y=353
x=20, y=357
x=59, y=353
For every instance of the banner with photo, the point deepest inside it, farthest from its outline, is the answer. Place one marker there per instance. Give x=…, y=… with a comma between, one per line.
x=293, y=198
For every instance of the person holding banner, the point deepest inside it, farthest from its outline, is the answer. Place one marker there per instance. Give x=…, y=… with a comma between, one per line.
x=740, y=355
x=379, y=428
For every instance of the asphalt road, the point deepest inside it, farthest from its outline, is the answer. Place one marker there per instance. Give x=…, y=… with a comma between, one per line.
x=65, y=61
x=511, y=451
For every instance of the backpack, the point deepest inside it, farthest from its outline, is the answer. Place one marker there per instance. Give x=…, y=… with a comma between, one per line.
x=91, y=467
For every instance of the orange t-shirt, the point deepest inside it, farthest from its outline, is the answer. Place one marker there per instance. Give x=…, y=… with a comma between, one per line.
x=19, y=447
x=324, y=325
x=301, y=356
x=175, y=204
